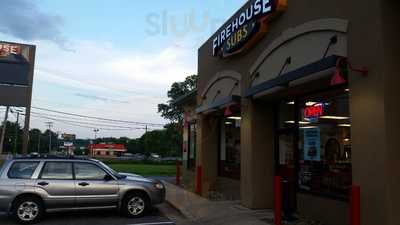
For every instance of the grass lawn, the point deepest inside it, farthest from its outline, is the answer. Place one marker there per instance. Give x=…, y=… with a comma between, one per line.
x=141, y=169
x=144, y=169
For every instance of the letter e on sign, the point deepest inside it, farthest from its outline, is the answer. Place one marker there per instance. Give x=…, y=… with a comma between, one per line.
x=7, y=49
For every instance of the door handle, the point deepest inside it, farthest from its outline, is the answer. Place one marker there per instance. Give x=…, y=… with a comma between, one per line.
x=43, y=183
x=83, y=184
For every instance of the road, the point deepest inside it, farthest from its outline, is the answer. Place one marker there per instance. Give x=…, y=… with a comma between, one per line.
x=157, y=217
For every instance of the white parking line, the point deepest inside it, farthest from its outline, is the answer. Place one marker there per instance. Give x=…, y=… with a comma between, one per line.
x=157, y=223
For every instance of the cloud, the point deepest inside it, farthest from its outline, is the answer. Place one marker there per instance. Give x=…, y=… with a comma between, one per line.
x=99, y=79
x=23, y=20
x=164, y=67
x=101, y=67
x=99, y=98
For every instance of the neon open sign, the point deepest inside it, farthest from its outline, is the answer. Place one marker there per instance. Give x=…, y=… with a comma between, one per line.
x=314, y=111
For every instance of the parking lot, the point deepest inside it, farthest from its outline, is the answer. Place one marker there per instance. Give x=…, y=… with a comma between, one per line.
x=104, y=217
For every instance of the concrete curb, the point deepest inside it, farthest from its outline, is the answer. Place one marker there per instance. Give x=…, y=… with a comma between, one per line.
x=199, y=210
x=180, y=206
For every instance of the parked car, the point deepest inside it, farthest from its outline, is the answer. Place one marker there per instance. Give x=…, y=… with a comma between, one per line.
x=29, y=187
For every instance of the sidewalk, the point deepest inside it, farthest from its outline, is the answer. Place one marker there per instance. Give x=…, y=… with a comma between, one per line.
x=199, y=210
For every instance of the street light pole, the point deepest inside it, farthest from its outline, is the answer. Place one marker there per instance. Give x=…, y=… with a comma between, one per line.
x=16, y=131
x=4, y=130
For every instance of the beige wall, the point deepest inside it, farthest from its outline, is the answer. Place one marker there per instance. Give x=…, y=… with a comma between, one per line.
x=391, y=37
x=207, y=151
x=257, y=155
x=375, y=122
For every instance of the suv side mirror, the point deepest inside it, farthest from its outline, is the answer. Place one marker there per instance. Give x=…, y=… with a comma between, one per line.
x=108, y=177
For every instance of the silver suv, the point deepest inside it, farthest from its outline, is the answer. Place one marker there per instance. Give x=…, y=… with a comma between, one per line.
x=29, y=187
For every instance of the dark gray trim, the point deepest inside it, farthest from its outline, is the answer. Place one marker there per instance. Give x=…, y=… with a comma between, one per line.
x=219, y=103
x=284, y=79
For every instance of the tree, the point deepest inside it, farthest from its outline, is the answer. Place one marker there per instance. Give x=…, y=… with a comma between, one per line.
x=45, y=140
x=35, y=135
x=178, y=89
x=9, y=138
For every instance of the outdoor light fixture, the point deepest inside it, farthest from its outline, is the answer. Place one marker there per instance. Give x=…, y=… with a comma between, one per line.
x=235, y=117
x=335, y=117
x=341, y=72
x=291, y=103
x=344, y=125
x=228, y=123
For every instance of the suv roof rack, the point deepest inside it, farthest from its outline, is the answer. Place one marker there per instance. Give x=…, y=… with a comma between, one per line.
x=46, y=156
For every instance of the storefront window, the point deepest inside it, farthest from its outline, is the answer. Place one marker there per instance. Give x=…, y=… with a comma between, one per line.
x=325, y=144
x=229, y=163
x=286, y=133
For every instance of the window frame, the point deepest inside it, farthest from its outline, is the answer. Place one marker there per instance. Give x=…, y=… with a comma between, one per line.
x=94, y=164
x=15, y=162
x=40, y=177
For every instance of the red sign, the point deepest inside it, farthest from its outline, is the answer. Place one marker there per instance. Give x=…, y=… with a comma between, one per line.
x=7, y=49
x=314, y=111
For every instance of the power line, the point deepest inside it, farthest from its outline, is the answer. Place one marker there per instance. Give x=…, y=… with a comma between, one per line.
x=81, y=120
x=99, y=118
x=87, y=123
x=78, y=124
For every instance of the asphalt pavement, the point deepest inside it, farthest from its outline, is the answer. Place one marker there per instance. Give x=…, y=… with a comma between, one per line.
x=103, y=217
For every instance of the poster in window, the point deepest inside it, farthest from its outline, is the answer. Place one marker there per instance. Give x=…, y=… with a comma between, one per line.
x=285, y=149
x=312, y=144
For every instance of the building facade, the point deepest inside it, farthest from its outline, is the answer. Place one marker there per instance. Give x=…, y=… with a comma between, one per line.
x=306, y=90
x=107, y=150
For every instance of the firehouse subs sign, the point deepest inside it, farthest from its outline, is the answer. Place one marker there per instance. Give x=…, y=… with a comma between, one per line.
x=247, y=27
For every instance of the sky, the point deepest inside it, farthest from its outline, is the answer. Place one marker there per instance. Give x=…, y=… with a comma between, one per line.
x=110, y=58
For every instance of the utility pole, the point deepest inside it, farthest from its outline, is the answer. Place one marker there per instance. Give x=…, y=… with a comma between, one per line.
x=50, y=125
x=95, y=133
x=145, y=140
x=93, y=142
x=4, y=130
x=16, y=130
x=58, y=140
x=38, y=145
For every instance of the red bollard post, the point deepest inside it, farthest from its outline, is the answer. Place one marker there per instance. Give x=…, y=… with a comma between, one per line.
x=278, y=201
x=199, y=174
x=178, y=173
x=355, y=205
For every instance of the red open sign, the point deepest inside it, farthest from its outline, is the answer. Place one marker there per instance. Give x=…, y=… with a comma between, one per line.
x=314, y=111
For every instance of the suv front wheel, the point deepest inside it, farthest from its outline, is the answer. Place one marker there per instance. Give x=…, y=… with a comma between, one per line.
x=28, y=210
x=135, y=205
